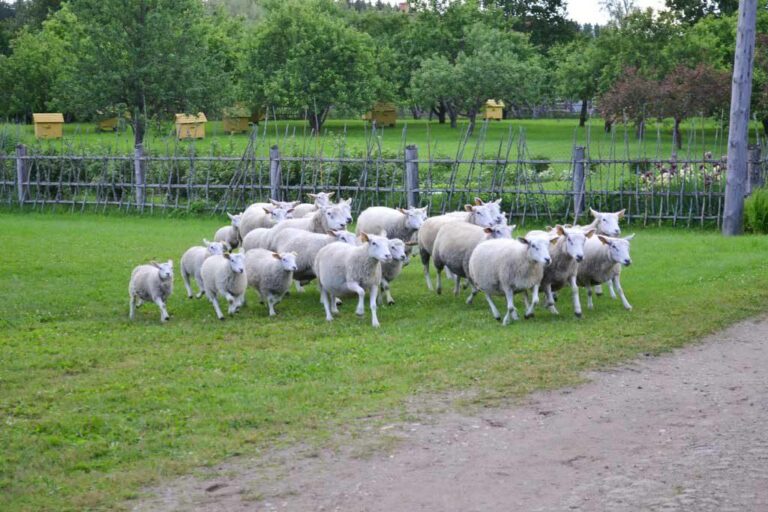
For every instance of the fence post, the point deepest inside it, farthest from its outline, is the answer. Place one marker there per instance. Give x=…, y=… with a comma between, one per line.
x=275, y=174
x=754, y=169
x=412, y=175
x=578, y=182
x=138, y=172
x=21, y=173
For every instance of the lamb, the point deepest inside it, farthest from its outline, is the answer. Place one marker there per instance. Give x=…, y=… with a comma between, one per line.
x=230, y=234
x=192, y=261
x=266, y=216
x=270, y=273
x=605, y=223
x=508, y=266
x=343, y=269
x=603, y=259
x=566, y=253
x=327, y=218
x=319, y=200
x=454, y=245
x=225, y=275
x=153, y=282
x=479, y=215
x=391, y=269
x=396, y=223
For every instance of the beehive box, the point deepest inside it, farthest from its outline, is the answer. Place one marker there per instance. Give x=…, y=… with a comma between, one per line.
x=48, y=126
x=190, y=127
x=108, y=124
x=494, y=110
x=236, y=119
x=383, y=114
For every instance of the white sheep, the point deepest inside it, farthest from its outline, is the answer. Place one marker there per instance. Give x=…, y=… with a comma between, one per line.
x=225, y=275
x=153, y=282
x=256, y=239
x=603, y=258
x=270, y=273
x=319, y=200
x=192, y=261
x=260, y=215
x=605, y=223
x=504, y=266
x=327, y=218
x=483, y=216
x=391, y=269
x=343, y=269
x=230, y=234
x=396, y=223
x=454, y=245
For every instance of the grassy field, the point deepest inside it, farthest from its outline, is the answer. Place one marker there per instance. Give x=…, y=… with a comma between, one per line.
x=549, y=138
x=95, y=407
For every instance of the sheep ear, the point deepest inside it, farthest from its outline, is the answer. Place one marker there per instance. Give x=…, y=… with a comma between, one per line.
x=312, y=196
x=267, y=210
x=295, y=254
x=154, y=264
x=276, y=256
x=554, y=240
x=170, y=262
x=629, y=237
x=404, y=212
x=559, y=230
x=290, y=210
x=424, y=209
x=363, y=236
x=330, y=194
x=567, y=225
x=512, y=227
x=468, y=208
x=548, y=228
x=593, y=212
x=498, y=201
x=411, y=244
x=589, y=233
x=227, y=256
x=478, y=201
x=206, y=242
x=230, y=215
x=603, y=239
x=621, y=213
x=347, y=200
x=523, y=240
x=488, y=230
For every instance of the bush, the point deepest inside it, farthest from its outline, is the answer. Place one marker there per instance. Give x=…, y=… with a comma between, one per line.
x=756, y=211
x=543, y=165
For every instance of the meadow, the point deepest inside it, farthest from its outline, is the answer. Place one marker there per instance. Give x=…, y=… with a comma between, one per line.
x=95, y=407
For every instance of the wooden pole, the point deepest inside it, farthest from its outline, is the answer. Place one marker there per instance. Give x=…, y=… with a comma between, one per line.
x=578, y=182
x=412, y=176
x=738, y=131
x=275, y=174
x=21, y=173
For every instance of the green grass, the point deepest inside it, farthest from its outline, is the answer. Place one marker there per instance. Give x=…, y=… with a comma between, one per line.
x=551, y=138
x=94, y=407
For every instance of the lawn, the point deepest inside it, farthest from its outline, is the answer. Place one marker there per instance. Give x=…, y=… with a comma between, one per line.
x=95, y=407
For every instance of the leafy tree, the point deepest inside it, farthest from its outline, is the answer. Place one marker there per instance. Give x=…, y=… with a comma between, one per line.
x=633, y=97
x=691, y=11
x=545, y=20
x=578, y=67
x=151, y=55
x=304, y=56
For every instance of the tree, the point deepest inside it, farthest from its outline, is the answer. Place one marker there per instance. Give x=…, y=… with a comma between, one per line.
x=633, y=97
x=149, y=55
x=619, y=9
x=691, y=11
x=577, y=71
x=545, y=20
x=304, y=56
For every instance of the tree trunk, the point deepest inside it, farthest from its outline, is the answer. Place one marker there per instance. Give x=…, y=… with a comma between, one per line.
x=583, y=115
x=472, y=115
x=138, y=128
x=640, y=129
x=440, y=112
x=765, y=126
x=676, y=134
x=607, y=125
x=454, y=118
x=416, y=112
x=738, y=128
x=317, y=119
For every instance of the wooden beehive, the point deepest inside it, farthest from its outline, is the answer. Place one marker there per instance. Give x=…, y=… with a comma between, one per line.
x=383, y=114
x=48, y=126
x=494, y=110
x=190, y=127
x=108, y=124
x=236, y=119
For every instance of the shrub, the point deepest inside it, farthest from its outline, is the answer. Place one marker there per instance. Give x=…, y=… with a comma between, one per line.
x=543, y=163
x=756, y=211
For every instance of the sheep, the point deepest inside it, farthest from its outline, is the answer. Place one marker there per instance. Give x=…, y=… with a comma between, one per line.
x=327, y=218
x=396, y=223
x=605, y=223
x=508, y=266
x=494, y=207
x=454, y=245
x=266, y=216
x=319, y=200
x=270, y=273
x=343, y=269
x=603, y=259
x=192, y=261
x=391, y=269
x=230, y=234
x=256, y=239
x=151, y=282
x=225, y=275
x=480, y=215
x=566, y=253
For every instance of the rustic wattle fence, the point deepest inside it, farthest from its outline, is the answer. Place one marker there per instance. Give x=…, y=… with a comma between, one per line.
x=681, y=190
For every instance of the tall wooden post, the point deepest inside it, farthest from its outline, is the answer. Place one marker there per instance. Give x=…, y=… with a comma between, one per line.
x=738, y=132
x=412, y=175
x=21, y=173
x=138, y=172
x=275, y=174
x=578, y=182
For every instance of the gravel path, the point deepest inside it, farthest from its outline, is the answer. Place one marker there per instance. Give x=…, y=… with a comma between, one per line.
x=682, y=432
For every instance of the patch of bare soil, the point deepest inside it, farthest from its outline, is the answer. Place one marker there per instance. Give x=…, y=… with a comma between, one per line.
x=686, y=431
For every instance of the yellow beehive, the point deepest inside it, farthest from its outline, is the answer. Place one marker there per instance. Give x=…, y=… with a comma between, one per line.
x=236, y=119
x=48, y=126
x=494, y=110
x=383, y=113
x=190, y=127
x=108, y=124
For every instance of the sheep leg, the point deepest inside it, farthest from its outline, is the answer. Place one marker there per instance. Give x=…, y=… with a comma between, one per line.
x=457, y=286
x=326, y=300
x=494, y=310
x=386, y=289
x=334, y=303
x=589, y=297
x=356, y=288
x=132, y=307
x=425, y=261
x=450, y=275
x=472, y=294
x=299, y=288
x=550, y=300
x=200, y=287
x=598, y=290
x=534, y=301
x=624, y=301
x=185, y=278
x=439, y=287
x=575, y=296
x=164, y=316
x=271, y=301
x=372, y=303
x=232, y=301
x=511, y=310
x=214, y=300
x=611, y=290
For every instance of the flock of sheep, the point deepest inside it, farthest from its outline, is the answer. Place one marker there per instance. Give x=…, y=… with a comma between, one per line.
x=286, y=242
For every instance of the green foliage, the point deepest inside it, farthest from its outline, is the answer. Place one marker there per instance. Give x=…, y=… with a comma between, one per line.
x=756, y=211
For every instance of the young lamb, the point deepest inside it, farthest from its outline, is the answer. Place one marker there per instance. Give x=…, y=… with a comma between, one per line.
x=605, y=223
x=391, y=269
x=508, y=266
x=567, y=253
x=192, y=261
x=153, y=282
x=258, y=216
x=483, y=216
x=343, y=269
x=319, y=200
x=396, y=223
x=270, y=273
x=603, y=259
x=225, y=275
x=327, y=218
x=454, y=245
x=230, y=234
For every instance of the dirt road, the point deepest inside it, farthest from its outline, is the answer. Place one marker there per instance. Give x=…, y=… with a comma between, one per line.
x=682, y=432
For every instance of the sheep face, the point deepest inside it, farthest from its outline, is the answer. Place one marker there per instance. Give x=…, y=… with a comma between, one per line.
x=494, y=207
x=344, y=236
x=618, y=248
x=346, y=209
x=484, y=216
x=538, y=249
x=236, y=262
x=215, y=248
x=397, y=249
x=608, y=223
x=287, y=260
x=574, y=241
x=279, y=214
x=285, y=205
x=378, y=247
x=336, y=217
x=235, y=219
x=164, y=270
x=499, y=231
x=321, y=198
x=415, y=217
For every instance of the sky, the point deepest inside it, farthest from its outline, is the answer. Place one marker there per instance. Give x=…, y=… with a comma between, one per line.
x=589, y=11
